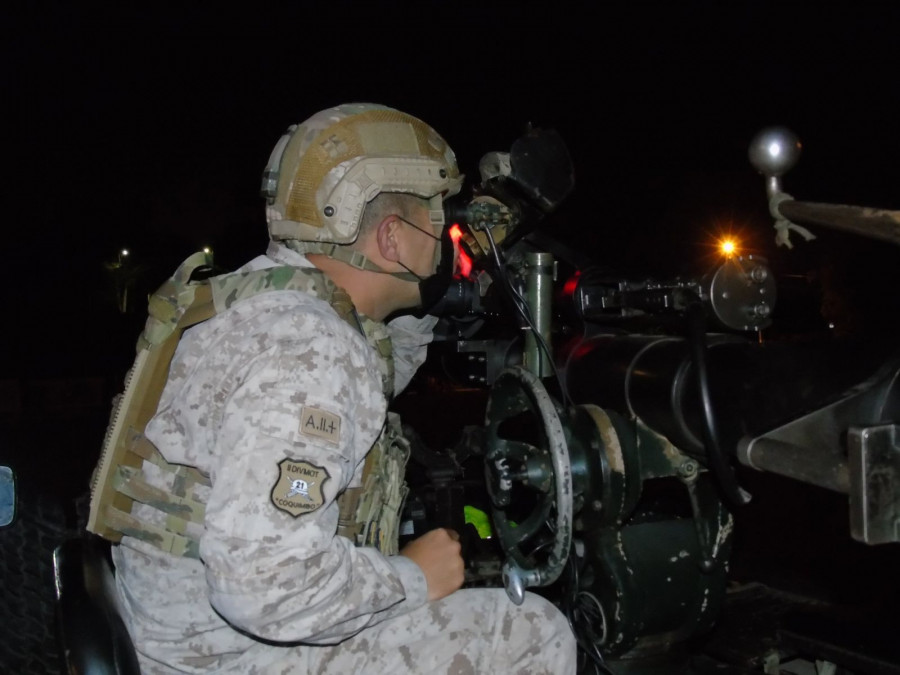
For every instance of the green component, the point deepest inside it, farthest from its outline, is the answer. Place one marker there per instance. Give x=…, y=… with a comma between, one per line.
x=480, y=520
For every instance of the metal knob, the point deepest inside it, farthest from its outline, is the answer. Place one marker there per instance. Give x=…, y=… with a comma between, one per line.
x=514, y=582
x=773, y=152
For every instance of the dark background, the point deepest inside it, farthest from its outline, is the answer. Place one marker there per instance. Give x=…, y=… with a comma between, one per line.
x=148, y=129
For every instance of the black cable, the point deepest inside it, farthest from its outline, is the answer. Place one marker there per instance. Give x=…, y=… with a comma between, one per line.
x=581, y=627
x=721, y=469
x=525, y=312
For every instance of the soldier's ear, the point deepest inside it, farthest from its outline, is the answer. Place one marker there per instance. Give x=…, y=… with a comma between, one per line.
x=386, y=237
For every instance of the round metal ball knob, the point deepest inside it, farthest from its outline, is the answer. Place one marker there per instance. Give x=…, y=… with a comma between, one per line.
x=774, y=151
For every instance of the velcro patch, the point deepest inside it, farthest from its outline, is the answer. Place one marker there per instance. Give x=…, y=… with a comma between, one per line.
x=320, y=423
x=298, y=489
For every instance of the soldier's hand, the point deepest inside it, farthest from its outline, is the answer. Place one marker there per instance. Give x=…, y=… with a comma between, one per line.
x=438, y=554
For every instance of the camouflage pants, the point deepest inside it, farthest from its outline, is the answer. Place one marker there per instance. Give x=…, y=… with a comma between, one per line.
x=477, y=631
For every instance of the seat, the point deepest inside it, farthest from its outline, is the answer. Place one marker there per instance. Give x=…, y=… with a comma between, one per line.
x=92, y=635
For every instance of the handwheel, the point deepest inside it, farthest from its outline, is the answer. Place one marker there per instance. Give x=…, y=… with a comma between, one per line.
x=537, y=464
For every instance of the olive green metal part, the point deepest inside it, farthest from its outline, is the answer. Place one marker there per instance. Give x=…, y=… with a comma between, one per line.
x=655, y=571
x=539, y=276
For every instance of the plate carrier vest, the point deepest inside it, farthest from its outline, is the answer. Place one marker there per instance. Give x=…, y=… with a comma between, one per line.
x=369, y=513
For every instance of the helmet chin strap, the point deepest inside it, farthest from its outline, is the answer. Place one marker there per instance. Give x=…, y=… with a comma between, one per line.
x=431, y=288
x=409, y=275
x=345, y=254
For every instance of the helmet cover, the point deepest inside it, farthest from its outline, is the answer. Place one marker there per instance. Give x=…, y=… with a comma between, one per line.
x=324, y=171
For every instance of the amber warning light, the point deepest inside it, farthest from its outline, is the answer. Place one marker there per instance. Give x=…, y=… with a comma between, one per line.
x=728, y=247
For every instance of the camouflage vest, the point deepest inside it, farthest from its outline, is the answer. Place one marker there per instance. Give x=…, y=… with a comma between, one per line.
x=369, y=512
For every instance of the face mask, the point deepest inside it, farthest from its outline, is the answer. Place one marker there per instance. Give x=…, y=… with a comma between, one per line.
x=433, y=288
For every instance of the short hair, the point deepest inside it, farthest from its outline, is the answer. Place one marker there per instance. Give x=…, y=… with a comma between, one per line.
x=388, y=203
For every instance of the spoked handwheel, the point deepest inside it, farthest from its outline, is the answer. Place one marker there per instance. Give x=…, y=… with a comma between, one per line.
x=527, y=461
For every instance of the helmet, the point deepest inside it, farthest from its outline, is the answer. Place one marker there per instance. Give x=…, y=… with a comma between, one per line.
x=324, y=171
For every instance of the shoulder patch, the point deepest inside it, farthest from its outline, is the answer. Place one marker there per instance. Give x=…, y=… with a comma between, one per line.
x=298, y=489
x=320, y=423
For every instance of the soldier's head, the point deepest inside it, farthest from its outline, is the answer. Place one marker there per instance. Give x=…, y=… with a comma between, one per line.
x=363, y=184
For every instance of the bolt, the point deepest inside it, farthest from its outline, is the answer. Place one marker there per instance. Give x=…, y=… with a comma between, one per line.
x=759, y=274
x=688, y=468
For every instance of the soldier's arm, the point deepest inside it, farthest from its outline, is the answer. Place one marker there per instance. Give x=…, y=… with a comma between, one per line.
x=274, y=564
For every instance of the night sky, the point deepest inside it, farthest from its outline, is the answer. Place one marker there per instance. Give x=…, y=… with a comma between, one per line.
x=149, y=129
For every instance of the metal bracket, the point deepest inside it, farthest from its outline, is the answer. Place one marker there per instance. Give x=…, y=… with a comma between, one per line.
x=874, y=457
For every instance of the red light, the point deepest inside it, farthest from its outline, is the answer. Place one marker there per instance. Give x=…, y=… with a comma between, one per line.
x=571, y=284
x=464, y=261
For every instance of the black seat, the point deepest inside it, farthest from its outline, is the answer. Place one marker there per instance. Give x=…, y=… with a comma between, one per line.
x=93, y=638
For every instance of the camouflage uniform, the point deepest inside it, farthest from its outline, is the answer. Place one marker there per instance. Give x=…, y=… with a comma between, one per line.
x=275, y=390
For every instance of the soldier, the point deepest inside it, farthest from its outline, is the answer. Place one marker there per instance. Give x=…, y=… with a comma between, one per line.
x=276, y=407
